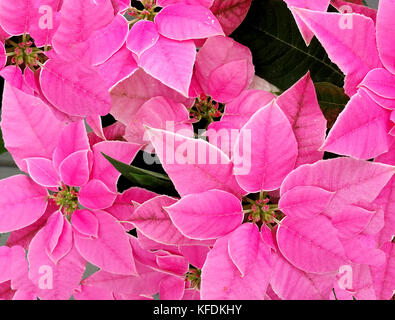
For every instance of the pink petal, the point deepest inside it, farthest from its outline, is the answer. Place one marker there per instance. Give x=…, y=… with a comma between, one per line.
x=146, y=283
x=272, y=158
x=130, y=94
x=15, y=17
x=311, y=245
x=96, y=195
x=386, y=200
x=379, y=100
x=230, y=13
x=123, y=208
x=22, y=237
x=22, y=202
x=386, y=32
x=362, y=282
x=356, y=7
x=191, y=294
x=351, y=180
x=351, y=221
x=73, y=138
x=171, y=62
x=19, y=271
x=92, y=293
x=75, y=89
x=44, y=22
x=142, y=36
x=243, y=244
x=31, y=79
x=222, y=280
x=103, y=169
x=268, y=237
x=104, y=42
x=291, y=283
x=153, y=221
x=172, y=263
x=159, y=113
x=59, y=237
x=193, y=164
x=355, y=55
x=53, y=230
x=94, y=122
x=41, y=170
x=362, y=250
x=362, y=120
x=237, y=113
x=28, y=134
x=75, y=169
x=3, y=57
x=5, y=262
x=86, y=223
x=196, y=255
x=317, y=5
x=120, y=5
x=118, y=67
x=80, y=18
x=171, y=288
x=228, y=81
x=53, y=282
x=185, y=22
x=204, y=3
x=293, y=203
x=13, y=75
x=381, y=82
x=384, y=275
x=218, y=51
x=300, y=105
x=111, y=250
x=3, y=35
x=207, y=215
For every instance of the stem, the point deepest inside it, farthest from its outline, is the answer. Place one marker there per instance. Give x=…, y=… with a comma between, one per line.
x=262, y=195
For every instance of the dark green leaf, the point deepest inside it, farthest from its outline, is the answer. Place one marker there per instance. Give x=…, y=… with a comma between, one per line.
x=332, y=100
x=279, y=51
x=153, y=181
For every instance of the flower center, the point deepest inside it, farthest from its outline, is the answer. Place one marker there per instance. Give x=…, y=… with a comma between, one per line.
x=146, y=10
x=205, y=108
x=194, y=277
x=23, y=53
x=260, y=210
x=67, y=199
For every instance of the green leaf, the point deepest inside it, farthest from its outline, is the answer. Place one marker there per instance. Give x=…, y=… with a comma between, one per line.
x=2, y=148
x=332, y=100
x=279, y=51
x=153, y=181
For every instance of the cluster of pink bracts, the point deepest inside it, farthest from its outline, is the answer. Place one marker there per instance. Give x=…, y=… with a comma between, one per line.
x=276, y=222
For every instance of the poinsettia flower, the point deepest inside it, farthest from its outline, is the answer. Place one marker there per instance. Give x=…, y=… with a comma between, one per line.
x=75, y=175
x=300, y=106
x=223, y=70
x=85, y=35
x=346, y=213
x=159, y=271
x=163, y=41
x=368, y=63
x=128, y=96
